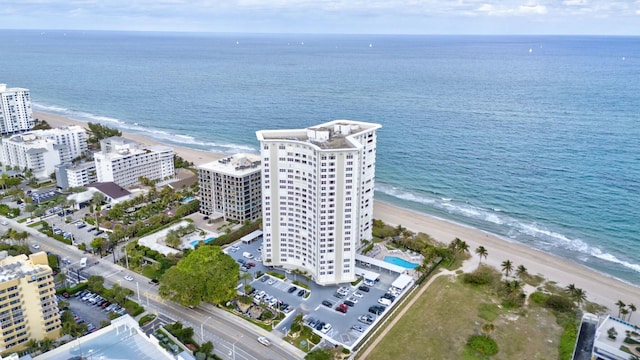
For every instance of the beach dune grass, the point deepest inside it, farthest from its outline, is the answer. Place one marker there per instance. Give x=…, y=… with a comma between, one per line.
x=440, y=323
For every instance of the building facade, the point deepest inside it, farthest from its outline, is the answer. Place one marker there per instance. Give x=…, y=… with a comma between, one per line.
x=612, y=336
x=231, y=187
x=76, y=175
x=317, y=194
x=71, y=141
x=16, y=114
x=124, y=161
x=28, y=304
x=31, y=152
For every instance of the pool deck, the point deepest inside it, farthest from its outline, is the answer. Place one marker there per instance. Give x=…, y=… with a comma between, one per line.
x=405, y=255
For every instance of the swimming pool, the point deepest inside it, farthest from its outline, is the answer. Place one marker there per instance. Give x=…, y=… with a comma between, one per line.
x=195, y=242
x=400, y=262
x=187, y=199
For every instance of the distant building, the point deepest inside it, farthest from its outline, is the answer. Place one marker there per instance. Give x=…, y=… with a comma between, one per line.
x=71, y=141
x=113, y=193
x=28, y=304
x=76, y=175
x=231, y=187
x=16, y=114
x=317, y=194
x=42, y=150
x=612, y=336
x=124, y=161
x=29, y=151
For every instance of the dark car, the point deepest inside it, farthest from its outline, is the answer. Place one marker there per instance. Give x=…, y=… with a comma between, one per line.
x=377, y=310
x=241, y=261
x=320, y=325
x=301, y=292
x=389, y=296
x=291, y=289
x=350, y=303
x=364, y=288
x=251, y=264
x=327, y=303
x=154, y=282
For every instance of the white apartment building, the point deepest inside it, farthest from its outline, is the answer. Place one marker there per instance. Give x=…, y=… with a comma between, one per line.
x=232, y=187
x=71, y=141
x=31, y=152
x=28, y=304
x=124, y=161
x=317, y=194
x=77, y=175
x=15, y=110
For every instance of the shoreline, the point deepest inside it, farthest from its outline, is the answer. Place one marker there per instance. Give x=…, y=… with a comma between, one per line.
x=600, y=288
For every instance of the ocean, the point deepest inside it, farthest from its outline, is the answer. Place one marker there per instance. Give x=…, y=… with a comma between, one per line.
x=533, y=138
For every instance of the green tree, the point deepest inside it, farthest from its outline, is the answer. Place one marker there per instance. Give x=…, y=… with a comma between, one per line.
x=579, y=296
x=173, y=239
x=205, y=274
x=632, y=309
x=482, y=253
x=507, y=267
x=98, y=244
x=521, y=271
x=95, y=283
x=620, y=306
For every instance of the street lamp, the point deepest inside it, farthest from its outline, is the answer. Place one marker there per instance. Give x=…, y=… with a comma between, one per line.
x=202, y=328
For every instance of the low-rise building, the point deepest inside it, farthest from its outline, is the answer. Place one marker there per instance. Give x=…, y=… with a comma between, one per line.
x=616, y=339
x=76, y=175
x=124, y=161
x=232, y=187
x=28, y=304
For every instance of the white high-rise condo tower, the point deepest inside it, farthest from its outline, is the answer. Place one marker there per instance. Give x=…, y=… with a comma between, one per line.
x=317, y=197
x=15, y=110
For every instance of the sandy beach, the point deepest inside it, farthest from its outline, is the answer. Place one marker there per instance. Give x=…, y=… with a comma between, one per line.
x=599, y=288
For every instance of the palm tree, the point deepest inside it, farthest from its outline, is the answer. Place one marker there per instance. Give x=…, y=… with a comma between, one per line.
x=632, y=309
x=620, y=306
x=521, y=271
x=482, y=253
x=507, y=267
x=579, y=296
x=624, y=312
x=571, y=289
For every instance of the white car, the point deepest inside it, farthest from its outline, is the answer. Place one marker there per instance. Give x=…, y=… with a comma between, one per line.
x=326, y=328
x=128, y=277
x=264, y=341
x=271, y=281
x=35, y=246
x=353, y=299
x=357, y=294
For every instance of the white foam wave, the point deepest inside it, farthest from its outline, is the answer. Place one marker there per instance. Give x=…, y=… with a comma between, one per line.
x=514, y=228
x=160, y=135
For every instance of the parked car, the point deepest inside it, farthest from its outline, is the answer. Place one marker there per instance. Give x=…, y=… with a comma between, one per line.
x=264, y=278
x=350, y=303
x=367, y=319
x=271, y=281
x=341, y=309
x=327, y=303
x=363, y=288
x=292, y=289
x=325, y=329
x=301, y=292
x=358, y=328
x=377, y=310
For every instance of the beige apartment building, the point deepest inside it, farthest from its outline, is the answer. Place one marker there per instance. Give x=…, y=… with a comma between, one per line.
x=231, y=187
x=28, y=304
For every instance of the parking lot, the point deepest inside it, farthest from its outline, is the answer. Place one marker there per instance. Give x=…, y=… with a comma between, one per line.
x=87, y=312
x=321, y=304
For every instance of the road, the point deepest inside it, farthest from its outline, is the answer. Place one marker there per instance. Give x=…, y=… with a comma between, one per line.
x=232, y=337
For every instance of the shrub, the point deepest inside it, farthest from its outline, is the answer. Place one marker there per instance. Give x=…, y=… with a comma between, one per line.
x=559, y=303
x=538, y=297
x=482, y=276
x=483, y=344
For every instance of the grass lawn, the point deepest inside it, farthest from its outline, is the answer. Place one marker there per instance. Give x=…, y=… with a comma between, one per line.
x=440, y=322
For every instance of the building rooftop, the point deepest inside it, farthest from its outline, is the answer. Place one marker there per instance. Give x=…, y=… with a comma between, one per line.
x=236, y=165
x=110, y=189
x=20, y=266
x=336, y=134
x=613, y=345
x=123, y=339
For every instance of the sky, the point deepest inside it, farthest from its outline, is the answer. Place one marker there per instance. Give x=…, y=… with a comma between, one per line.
x=588, y=17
